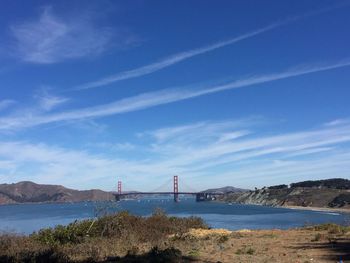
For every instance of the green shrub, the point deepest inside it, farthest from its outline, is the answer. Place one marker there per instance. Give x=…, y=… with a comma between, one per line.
x=223, y=239
x=155, y=255
x=121, y=225
x=317, y=237
x=332, y=228
x=250, y=251
x=33, y=255
x=239, y=252
x=194, y=253
x=91, y=240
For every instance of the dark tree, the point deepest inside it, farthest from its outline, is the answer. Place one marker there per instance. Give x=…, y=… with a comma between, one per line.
x=336, y=183
x=280, y=186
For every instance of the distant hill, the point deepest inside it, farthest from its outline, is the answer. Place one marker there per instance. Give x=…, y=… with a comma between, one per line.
x=29, y=192
x=331, y=193
x=225, y=190
x=335, y=183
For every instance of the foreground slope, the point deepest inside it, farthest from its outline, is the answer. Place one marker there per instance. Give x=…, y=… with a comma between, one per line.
x=127, y=238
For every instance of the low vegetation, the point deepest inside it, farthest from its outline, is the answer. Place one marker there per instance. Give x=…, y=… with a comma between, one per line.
x=123, y=237
x=332, y=228
x=335, y=183
x=98, y=239
x=122, y=226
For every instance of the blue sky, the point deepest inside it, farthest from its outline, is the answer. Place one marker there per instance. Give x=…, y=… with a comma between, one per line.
x=242, y=93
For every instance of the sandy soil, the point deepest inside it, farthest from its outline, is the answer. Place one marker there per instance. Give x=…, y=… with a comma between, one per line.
x=321, y=209
x=290, y=246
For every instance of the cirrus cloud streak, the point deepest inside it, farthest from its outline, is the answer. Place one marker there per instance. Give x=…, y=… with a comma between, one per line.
x=161, y=97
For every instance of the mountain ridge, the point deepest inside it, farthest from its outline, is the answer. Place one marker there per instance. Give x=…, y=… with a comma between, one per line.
x=225, y=190
x=30, y=192
x=329, y=193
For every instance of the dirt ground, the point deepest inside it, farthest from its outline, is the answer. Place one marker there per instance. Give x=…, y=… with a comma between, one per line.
x=299, y=245
x=196, y=243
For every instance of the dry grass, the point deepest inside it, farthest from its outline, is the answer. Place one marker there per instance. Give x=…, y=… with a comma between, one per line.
x=126, y=238
x=115, y=235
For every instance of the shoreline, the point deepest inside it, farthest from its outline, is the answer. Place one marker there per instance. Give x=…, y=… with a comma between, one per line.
x=307, y=208
x=317, y=209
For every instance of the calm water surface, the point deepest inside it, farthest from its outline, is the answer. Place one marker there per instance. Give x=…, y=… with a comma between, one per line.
x=31, y=217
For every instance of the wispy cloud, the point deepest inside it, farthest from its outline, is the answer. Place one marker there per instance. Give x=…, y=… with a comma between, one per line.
x=171, y=60
x=195, y=151
x=206, y=148
x=4, y=104
x=51, y=39
x=110, y=146
x=201, y=154
x=337, y=122
x=165, y=96
x=179, y=57
x=208, y=130
x=48, y=101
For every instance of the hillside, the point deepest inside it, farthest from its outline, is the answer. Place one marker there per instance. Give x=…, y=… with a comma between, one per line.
x=226, y=189
x=29, y=192
x=323, y=193
x=126, y=238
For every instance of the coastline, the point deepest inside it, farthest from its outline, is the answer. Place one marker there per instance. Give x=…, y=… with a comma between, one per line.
x=308, y=208
x=318, y=209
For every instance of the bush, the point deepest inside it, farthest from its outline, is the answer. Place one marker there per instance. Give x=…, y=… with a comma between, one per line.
x=317, y=237
x=96, y=239
x=32, y=254
x=336, y=183
x=341, y=200
x=332, y=228
x=223, y=239
x=239, y=252
x=250, y=251
x=155, y=255
x=121, y=225
x=281, y=186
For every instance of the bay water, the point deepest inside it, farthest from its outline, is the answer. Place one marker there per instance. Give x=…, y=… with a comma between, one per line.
x=26, y=218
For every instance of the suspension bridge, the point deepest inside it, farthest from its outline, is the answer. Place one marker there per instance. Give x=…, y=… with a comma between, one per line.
x=200, y=196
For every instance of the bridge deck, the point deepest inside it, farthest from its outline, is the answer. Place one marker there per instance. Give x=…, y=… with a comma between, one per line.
x=161, y=193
